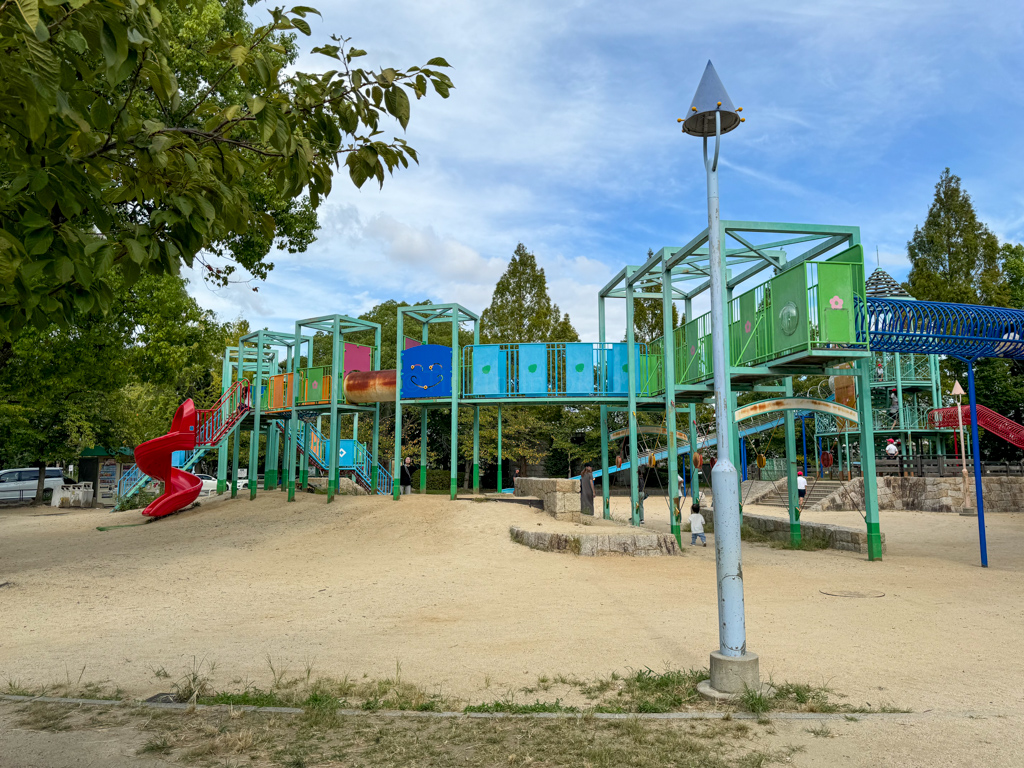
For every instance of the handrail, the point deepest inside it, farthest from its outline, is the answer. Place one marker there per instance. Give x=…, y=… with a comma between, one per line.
x=1008, y=429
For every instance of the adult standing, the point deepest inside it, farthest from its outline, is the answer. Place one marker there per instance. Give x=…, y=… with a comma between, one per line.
x=406, y=479
x=587, y=490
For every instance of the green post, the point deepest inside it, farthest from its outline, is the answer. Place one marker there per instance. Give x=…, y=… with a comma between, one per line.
x=270, y=475
x=375, y=458
x=307, y=444
x=423, y=449
x=604, y=377
x=222, y=449
x=476, y=449
x=499, y=450
x=455, y=402
x=237, y=439
x=694, y=470
x=669, y=376
x=605, y=486
x=396, y=477
x=294, y=430
x=254, y=442
x=791, y=462
x=337, y=394
x=867, y=459
x=634, y=474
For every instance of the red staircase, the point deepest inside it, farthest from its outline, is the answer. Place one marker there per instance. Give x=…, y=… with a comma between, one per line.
x=214, y=423
x=989, y=420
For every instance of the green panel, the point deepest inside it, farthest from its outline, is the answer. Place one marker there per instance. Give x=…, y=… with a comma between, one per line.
x=312, y=384
x=790, y=323
x=744, y=330
x=689, y=370
x=854, y=255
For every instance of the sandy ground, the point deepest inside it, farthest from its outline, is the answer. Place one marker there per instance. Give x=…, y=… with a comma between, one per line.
x=364, y=583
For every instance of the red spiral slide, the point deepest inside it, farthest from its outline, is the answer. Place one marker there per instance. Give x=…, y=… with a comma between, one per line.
x=181, y=488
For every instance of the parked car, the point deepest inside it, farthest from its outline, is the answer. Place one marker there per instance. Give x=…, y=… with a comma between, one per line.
x=209, y=483
x=21, y=484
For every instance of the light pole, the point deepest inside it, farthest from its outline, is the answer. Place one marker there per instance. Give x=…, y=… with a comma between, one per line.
x=958, y=392
x=733, y=669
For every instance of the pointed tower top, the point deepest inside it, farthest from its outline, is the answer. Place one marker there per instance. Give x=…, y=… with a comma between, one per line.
x=710, y=98
x=958, y=391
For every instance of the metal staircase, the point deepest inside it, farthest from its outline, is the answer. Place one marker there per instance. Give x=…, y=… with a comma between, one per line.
x=997, y=424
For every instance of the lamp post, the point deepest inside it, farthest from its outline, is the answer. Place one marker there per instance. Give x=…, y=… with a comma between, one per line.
x=958, y=392
x=733, y=669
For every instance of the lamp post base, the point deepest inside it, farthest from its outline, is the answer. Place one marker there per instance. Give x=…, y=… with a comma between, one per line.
x=730, y=677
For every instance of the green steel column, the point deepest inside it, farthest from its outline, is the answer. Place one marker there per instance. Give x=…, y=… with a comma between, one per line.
x=257, y=400
x=270, y=475
x=455, y=402
x=867, y=460
x=423, y=449
x=694, y=470
x=337, y=394
x=791, y=462
x=634, y=474
x=499, y=449
x=237, y=440
x=307, y=444
x=603, y=357
x=669, y=375
x=294, y=426
x=375, y=458
x=222, y=449
x=476, y=424
x=396, y=470
x=476, y=449
x=605, y=495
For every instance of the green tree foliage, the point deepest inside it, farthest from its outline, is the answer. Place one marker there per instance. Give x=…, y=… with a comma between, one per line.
x=136, y=136
x=521, y=310
x=953, y=256
x=113, y=381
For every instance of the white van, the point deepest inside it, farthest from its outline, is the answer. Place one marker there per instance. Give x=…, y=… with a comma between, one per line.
x=20, y=484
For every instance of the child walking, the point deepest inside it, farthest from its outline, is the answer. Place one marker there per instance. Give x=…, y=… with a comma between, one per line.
x=697, y=526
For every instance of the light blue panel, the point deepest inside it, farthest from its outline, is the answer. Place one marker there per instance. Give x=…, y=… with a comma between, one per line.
x=346, y=454
x=618, y=383
x=488, y=369
x=178, y=458
x=579, y=369
x=533, y=369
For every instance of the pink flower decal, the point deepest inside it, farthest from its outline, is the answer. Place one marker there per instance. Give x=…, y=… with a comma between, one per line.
x=835, y=302
x=746, y=328
x=693, y=351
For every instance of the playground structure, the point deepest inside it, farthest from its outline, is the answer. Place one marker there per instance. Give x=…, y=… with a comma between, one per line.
x=810, y=317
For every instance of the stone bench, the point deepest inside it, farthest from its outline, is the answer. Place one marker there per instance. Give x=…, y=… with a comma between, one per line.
x=560, y=496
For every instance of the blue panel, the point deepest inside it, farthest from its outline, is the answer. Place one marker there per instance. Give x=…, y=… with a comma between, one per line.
x=579, y=369
x=346, y=454
x=618, y=383
x=427, y=372
x=178, y=458
x=533, y=369
x=488, y=369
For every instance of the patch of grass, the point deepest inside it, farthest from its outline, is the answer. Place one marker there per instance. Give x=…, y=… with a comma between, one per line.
x=160, y=673
x=253, y=697
x=17, y=688
x=756, y=701
x=195, y=683
x=46, y=717
x=510, y=707
x=160, y=745
x=648, y=691
x=806, y=544
x=752, y=535
x=821, y=731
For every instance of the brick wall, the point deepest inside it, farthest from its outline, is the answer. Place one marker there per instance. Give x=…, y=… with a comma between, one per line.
x=932, y=494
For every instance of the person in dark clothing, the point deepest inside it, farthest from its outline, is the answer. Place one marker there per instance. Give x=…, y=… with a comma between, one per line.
x=406, y=477
x=587, y=490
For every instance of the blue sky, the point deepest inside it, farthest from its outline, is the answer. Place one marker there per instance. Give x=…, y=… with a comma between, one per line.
x=562, y=134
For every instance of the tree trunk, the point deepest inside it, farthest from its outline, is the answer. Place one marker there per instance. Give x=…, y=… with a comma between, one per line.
x=468, y=474
x=40, y=484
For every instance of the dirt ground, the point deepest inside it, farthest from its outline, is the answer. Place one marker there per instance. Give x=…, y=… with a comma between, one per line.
x=438, y=587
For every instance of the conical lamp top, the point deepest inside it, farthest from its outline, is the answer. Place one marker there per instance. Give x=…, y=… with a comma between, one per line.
x=957, y=389
x=709, y=99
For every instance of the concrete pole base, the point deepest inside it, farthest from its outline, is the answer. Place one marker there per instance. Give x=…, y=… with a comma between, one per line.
x=730, y=677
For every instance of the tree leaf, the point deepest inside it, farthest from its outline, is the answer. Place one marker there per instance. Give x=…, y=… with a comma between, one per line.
x=397, y=103
x=29, y=12
x=437, y=61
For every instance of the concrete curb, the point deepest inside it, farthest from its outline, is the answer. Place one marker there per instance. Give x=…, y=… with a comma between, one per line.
x=712, y=715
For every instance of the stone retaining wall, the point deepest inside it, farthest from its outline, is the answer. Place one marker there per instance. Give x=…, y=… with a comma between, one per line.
x=560, y=496
x=931, y=494
x=839, y=537
x=598, y=544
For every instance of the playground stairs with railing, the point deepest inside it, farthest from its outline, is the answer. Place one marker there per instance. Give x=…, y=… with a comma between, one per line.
x=817, y=491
